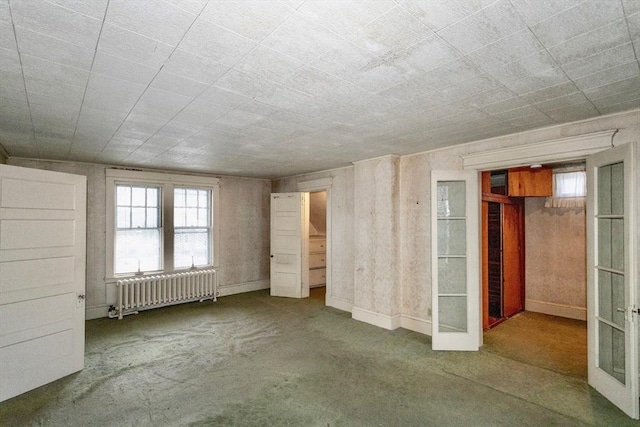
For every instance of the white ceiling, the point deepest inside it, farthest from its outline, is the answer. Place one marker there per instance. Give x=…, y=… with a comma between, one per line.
x=275, y=88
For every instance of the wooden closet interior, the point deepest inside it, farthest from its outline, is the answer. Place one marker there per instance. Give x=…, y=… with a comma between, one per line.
x=503, y=260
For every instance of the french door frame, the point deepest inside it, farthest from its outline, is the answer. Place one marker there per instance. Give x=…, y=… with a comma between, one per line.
x=576, y=148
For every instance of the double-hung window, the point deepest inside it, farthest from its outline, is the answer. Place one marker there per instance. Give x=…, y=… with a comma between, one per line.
x=138, y=230
x=192, y=227
x=160, y=222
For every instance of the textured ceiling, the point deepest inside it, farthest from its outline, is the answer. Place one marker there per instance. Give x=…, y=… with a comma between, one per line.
x=276, y=88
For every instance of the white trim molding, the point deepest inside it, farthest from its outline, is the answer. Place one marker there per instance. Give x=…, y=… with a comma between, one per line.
x=386, y=156
x=415, y=324
x=240, y=288
x=315, y=184
x=339, y=303
x=377, y=319
x=557, y=150
x=553, y=309
x=96, y=312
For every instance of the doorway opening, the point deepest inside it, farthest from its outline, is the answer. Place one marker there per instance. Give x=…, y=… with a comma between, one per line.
x=318, y=245
x=534, y=270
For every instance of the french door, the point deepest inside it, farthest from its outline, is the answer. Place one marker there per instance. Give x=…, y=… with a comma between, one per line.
x=612, y=319
x=455, y=208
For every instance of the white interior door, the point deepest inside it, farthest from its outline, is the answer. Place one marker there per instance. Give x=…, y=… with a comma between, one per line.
x=290, y=245
x=42, y=277
x=455, y=265
x=611, y=284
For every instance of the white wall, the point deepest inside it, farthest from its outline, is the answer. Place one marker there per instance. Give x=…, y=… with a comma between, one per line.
x=244, y=245
x=377, y=242
x=555, y=259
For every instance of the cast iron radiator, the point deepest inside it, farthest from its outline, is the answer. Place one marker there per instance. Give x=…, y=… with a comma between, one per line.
x=147, y=292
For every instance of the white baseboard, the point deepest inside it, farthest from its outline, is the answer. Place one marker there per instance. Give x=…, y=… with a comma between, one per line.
x=561, y=310
x=339, y=303
x=96, y=312
x=239, y=288
x=376, y=319
x=415, y=324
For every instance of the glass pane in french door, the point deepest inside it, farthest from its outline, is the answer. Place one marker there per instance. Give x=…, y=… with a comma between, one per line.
x=610, y=271
x=452, y=253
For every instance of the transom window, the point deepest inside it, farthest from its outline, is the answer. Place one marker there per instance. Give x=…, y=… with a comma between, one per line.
x=569, y=188
x=160, y=222
x=570, y=184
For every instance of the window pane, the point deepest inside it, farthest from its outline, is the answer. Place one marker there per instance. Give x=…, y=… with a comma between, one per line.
x=152, y=197
x=123, y=217
x=604, y=190
x=192, y=217
x=192, y=198
x=570, y=184
x=138, y=218
x=451, y=199
x=138, y=196
x=203, y=198
x=178, y=217
x=203, y=217
x=123, y=195
x=452, y=275
x=452, y=235
x=137, y=246
x=152, y=218
x=617, y=189
x=191, y=245
x=452, y=313
x=179, y=197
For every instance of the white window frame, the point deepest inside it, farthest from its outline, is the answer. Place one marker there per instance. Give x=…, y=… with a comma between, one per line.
x=209, y=226
x=167, y=182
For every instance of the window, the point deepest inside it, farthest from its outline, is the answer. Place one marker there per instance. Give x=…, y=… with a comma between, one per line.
x=569, y=189
x=138, y=234
x=192, y=223
x=160, y=222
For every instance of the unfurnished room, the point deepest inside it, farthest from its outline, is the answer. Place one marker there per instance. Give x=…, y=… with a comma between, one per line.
x=319, y=212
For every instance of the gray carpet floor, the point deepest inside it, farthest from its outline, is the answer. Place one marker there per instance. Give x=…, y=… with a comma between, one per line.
x=254, y=360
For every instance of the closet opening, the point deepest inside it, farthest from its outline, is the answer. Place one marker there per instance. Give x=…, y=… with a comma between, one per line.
x=534, y=268
x=318, y=245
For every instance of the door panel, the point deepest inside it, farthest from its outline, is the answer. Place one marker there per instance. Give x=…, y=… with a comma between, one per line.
x=456, y=319
x=42, y=277
x=485, y=260
x=611, y=267
x=511, y=258
x=289, y=245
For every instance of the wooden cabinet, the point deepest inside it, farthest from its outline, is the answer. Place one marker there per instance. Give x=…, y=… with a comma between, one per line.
x=317, y=261
x=502, y=255
x=528, y=182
